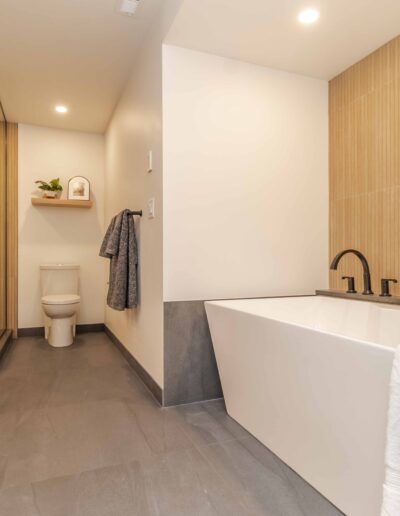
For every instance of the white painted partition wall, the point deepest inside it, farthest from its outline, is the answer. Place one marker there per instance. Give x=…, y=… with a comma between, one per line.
x=240, y=180
x=134, y=129
x=245, y=179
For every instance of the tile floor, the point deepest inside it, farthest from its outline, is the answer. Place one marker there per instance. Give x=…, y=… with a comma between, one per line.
x=81, y=436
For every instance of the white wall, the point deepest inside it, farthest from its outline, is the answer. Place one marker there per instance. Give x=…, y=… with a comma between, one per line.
x=135, y=128
x=49, y=235
x=245, y=179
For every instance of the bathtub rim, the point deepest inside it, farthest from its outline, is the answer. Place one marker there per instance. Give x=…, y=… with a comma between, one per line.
x=370, y=343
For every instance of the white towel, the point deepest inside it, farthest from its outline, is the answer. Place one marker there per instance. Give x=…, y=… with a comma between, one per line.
x=391, y=487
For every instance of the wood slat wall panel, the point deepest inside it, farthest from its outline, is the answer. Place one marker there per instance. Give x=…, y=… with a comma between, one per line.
x=364, y=120
x=3, y=236
x=12, y=228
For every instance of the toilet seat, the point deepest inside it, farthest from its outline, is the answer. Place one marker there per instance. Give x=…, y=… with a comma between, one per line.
x=61, y=299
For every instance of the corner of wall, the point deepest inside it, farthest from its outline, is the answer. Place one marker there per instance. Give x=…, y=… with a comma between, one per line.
x=134, y=129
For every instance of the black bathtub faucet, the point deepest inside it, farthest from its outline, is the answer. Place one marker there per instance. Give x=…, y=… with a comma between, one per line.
x=385, y=287
x=366, y=274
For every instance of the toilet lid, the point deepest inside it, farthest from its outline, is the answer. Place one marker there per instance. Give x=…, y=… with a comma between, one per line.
x=61, y=299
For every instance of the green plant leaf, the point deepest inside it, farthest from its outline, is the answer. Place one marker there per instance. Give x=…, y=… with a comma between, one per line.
x=53, y=186
x=43, y=185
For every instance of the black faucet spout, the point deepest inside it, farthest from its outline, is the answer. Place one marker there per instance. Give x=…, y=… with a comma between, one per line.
x=366, y=273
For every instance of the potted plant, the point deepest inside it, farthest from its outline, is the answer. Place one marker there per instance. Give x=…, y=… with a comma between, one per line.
x=51, y=190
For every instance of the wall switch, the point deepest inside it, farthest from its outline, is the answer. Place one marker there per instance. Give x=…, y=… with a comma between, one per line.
x=150, y=161
x=151, y=208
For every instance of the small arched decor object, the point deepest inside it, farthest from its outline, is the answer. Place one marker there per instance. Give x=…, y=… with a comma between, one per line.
x=79, y=188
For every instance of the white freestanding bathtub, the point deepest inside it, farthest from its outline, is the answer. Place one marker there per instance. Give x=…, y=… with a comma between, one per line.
x=309, y=377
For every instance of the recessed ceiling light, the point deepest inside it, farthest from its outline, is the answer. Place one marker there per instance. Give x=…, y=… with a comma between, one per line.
x=128, y=7
x=61, y=109
x=308, y=16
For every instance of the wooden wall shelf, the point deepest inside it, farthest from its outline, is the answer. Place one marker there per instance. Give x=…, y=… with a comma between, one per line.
x=61, y=203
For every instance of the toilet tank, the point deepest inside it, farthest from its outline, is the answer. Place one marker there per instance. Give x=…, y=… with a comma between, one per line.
x=60, y=278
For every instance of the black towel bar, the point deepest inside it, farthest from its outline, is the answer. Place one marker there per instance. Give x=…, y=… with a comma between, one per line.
x=140, y=213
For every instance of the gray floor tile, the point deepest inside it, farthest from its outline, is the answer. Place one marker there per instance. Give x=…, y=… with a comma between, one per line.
x=256, y=477
x=34, y=354
x=57, y=496
x=8, y=422
x=106, y=430
x=160, y=428
x=3, y=466
x=99, y=352
x=72, y=438
x=311, y=501
x=184, y=483
x=178, y=483
x=207, y=423
x=24, y=390
x=80, y=435
x=112, y=382
x=308, y=499
x=106, y=492
x=18, y=501
x=101, y=492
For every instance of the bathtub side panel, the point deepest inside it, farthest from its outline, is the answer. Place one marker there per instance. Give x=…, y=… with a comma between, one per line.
x=318, y=401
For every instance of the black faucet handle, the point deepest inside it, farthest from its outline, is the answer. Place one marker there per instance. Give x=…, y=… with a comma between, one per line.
x=351, y=289
x=385, y=292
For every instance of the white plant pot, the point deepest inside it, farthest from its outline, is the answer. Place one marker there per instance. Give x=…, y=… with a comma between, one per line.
x=50, y=195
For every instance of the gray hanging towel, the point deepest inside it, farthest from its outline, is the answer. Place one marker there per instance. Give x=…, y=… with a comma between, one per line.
x=120, y=246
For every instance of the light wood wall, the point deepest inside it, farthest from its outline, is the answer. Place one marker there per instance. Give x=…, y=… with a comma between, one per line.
x=3, y=234
x=12, y=228
x=364, y=119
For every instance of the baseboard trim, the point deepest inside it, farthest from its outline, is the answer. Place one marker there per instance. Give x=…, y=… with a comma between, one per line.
x=31, y=332
x=90, y=328
x=5, y=343
x=148, y=381
x=80, y=328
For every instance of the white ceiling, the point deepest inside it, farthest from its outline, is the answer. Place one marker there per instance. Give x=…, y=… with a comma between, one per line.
x=80, y=52
x=266, y=32
x=73, y=52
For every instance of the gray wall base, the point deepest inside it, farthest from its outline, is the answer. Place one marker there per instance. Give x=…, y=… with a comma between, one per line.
x=190, y=368
x=80, y=328
x=150, y=383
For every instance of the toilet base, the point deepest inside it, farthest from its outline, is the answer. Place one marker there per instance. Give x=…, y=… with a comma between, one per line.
x=61, y=332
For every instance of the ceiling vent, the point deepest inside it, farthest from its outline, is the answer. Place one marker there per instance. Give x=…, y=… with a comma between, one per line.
x=128, y=7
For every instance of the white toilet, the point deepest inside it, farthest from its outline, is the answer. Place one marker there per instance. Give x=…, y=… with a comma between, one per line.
x=60, y=302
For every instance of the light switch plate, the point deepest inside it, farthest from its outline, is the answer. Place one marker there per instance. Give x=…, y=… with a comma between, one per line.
x=151, y=208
